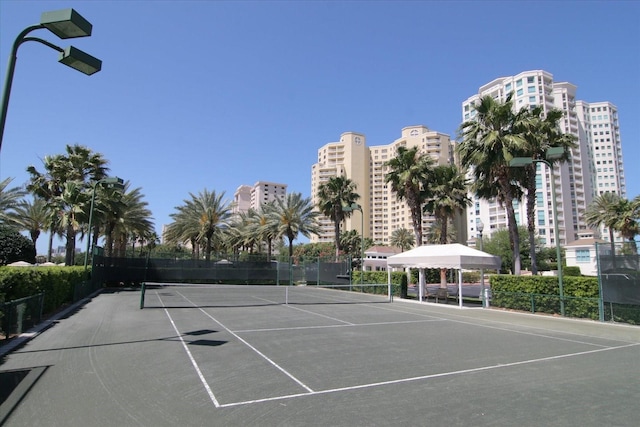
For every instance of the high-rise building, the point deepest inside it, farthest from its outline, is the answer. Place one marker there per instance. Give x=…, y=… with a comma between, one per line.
x=365, y=166
x=252, y=197
x=576, y=181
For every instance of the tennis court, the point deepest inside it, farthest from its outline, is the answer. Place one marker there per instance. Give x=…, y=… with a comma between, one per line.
x=252, y=355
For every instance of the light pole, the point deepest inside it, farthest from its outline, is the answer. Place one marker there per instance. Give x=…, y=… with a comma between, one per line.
x=552, y=153
x=65, y=24
x=482, y=292
x=113, y=182
x=356, y=207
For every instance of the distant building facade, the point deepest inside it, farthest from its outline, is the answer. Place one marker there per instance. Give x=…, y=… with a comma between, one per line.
x=252, y=197
x=595, y=165
x=365, y=166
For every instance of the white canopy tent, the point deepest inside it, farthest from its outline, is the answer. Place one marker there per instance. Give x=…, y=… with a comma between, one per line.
x=453, y=255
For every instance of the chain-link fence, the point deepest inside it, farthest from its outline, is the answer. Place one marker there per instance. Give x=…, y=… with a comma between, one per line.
x=619, y=280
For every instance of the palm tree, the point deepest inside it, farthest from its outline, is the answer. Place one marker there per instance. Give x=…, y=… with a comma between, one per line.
x=295, y=215
x=489, y=142
x=402, y=238
x=202, y=218
x=33, y=217
x=408, y=173
x=541, y=133
x=9, y=199
x=604, y=211
x=446, y=197
x=337, y=192
x=628, y=223
x=132, y=218
x=263, y=225
x=65, y=185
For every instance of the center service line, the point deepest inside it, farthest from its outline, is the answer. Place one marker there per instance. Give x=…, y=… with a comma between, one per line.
x=274, y=364
x=193, y=361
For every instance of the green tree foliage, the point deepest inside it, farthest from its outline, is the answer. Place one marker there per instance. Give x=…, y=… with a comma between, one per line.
x=541, y=131
x=15, y=247
x=402, y=238
x=408, y=174
x=295, y=215
x=333, y=195
x=488, y=143
x=499, y=244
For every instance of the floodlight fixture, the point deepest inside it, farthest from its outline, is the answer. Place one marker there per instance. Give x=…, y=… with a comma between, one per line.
x=66, y=24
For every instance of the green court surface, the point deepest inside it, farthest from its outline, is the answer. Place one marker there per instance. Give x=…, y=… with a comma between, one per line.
x=332, y=359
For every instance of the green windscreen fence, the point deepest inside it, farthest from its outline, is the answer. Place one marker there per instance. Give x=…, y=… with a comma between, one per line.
x=619, y=272
x=220, y=270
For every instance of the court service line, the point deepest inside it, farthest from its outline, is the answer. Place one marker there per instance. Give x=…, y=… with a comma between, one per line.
x=500, y=328
x=294, y=328
x=265, y=357
x=311, y=312
x=193, y=361
x=424, y=377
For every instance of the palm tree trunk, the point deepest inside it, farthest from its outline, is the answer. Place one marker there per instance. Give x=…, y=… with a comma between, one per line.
x=50, y=248
x=443, y=241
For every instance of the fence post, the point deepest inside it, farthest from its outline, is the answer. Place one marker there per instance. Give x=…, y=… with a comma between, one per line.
x=600, y=294
x=318, y=278
x=533, y=304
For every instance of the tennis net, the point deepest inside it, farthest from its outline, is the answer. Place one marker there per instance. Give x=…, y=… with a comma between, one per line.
x=172, y=295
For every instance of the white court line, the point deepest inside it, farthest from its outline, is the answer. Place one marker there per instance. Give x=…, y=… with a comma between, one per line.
x=515, y=331
x=193, y=361
x=424, y=377
x=294, y=328
x=274, y=364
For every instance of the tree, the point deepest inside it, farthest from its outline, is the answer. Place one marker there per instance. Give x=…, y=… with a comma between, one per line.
x=128, y=217
x=66, y=187
x=295, y=215
x=540, y=133
x=402, y=238
x=201, y=219
x=499, y=244
x=407, y=175
x=337, y=192
x=10, y=198
x=33, y=217
x=628, y=223
x=263, y=226
x=15, y=247
x=488, y=144
x=604, y=210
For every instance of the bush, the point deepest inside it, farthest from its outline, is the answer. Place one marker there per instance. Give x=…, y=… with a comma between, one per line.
x=58, y=284
x=571, y=271
x=15, y=247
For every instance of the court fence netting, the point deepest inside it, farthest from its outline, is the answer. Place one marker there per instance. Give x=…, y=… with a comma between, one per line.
x=619, y=280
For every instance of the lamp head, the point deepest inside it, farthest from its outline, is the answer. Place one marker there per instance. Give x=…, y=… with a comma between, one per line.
x=81, y=61
x=66, y=24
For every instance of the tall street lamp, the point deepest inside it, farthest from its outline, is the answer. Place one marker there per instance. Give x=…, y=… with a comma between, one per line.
x=482, y=291
x=552, y=153
x=65, y=24
x=112, y=182
x=356, y=207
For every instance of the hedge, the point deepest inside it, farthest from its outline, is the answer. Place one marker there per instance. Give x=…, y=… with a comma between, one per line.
x=58, y=284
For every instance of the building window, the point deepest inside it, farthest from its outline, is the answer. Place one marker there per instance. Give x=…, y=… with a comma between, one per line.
x=531, y=89
x=519, y=92
x=582, y=255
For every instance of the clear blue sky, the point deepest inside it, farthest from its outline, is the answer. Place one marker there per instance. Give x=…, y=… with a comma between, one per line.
x=204, y=94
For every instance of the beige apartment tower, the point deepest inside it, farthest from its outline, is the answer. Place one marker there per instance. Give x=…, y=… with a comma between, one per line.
x=365, y=166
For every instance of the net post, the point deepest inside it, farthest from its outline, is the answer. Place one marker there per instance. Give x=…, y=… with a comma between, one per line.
x=390, y=292
x=142, y=291
x=286, y=295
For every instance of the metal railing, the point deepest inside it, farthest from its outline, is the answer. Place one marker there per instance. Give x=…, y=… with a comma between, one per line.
x=19, y=315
